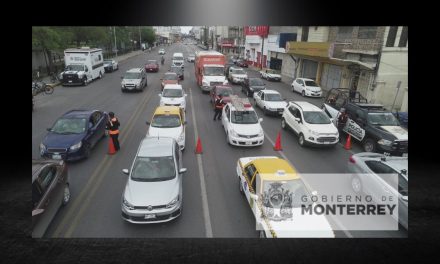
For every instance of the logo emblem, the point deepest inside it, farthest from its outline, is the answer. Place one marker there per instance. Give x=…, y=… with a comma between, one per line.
x=149, y=208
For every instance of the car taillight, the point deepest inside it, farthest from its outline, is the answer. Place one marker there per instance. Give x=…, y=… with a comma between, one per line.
x=352, y=159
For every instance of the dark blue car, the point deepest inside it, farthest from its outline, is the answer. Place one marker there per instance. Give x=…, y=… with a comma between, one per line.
x=74, y=134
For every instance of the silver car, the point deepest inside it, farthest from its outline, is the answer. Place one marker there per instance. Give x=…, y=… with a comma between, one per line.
x=368, y=168
x=153, y=192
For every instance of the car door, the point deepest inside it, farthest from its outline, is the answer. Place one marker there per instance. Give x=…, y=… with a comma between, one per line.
x=248, y=174
x=92, y=131
x=298, y=85
x=50, y=190
x=226, y=118
x=257, y=97
x=293, y=113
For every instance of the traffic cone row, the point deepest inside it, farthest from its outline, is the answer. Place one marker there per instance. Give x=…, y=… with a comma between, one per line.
x=111, y=147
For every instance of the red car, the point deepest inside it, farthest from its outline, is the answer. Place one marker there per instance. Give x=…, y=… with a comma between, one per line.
x=224, y=90
x=152, y=66
x=242, y=63
x=169, y=78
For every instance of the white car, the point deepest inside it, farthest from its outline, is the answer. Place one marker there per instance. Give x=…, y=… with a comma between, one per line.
x=270, y=101
x=270, y=75
x=168, y=121
x=237, y=75
x=173, y=95
x=310, y=123
x=306, y=87
x=161, y=52
x=191, y=58
x=241, y=123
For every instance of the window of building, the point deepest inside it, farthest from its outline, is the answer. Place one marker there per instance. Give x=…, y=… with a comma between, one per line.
x=305, y=34
x=403, y=37
x=345, y=33
x=367, y=32
x=391, y=37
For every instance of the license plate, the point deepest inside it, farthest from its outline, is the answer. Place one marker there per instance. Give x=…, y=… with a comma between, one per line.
x=248, y=143
x=70, y=81
x=150, y=216
x=405, y=155
x=56, y=156
x=326, y=142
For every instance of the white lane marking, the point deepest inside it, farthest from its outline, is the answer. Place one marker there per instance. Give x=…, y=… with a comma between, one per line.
x=207, y=218
x=291, y=163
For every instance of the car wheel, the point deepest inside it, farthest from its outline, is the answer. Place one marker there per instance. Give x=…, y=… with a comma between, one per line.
x=293, y=89
x=356, y=184
x=85, y=82
x=303, y=93
x=301, y=140
x=227, y=139
x=264, y=111
x=66, y=194
x=369, y=145
x=262, y=234
x=283, y=123
x=240, y=185
x=100, y=75
x=123, y=90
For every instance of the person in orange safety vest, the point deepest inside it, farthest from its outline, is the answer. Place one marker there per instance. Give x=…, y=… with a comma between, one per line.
x=113, y=129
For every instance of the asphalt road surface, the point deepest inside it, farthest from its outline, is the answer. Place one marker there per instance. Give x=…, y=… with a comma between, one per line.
x=212, y=203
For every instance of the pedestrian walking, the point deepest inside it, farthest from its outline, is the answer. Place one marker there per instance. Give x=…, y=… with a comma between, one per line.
x=342, y=121
x=113, y=129
x=218, y=107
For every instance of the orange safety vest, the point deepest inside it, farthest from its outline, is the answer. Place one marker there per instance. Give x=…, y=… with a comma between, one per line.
x=113, y=132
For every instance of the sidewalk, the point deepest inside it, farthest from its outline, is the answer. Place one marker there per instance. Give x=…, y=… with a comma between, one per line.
x=118, y=59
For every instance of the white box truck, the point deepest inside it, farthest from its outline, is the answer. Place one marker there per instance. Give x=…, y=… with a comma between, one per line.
x=82, y=66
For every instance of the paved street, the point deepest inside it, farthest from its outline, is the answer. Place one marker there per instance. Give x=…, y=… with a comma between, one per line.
x=98, y=182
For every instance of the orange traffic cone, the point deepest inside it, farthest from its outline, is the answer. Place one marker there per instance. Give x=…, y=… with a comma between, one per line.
x=199, y=146
x=111, y=147
x=348, y=143
x=277, y=146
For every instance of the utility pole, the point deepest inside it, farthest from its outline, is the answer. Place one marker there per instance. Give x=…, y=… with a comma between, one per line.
x=262, y=46
x=140, y=43
x=398, y=88
x=116, y=47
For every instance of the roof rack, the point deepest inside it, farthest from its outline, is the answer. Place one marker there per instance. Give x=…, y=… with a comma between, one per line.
x=240, y=103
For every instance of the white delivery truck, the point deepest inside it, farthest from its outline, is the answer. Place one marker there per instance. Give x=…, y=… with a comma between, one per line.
x=82, y=66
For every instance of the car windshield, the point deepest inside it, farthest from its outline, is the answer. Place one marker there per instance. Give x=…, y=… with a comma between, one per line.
x=382, y=119
x=256, y=82
x=172, y=93
x=238, y=71
x=170, y=77
x=273, y=97
x=151, y=62
x=214, y=71
x=178, y=58
x=132, y=75
x=149, y=169
x=177, y=70
x=310, y=83
x=69, y=126
x=272, y=71
x=225, y=92
x=191, y=56
x=166, y=121
x=244, y=117
x=75, y=68
x=316, y=117
x=107, y=62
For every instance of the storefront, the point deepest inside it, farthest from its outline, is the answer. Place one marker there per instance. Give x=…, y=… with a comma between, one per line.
x=255, y=36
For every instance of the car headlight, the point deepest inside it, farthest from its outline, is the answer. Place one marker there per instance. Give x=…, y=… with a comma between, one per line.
x=173, y=202
x=205, y=84
x=385, y=142
x=261, y=133
x=225, y=82
x=127, y=205
x=181, y=137
x=233, y=133
x=76, y=146
x=313, y=132
x=42, y=148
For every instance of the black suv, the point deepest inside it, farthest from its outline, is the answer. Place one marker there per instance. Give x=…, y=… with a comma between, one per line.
x=251, y=85
x=377, y=128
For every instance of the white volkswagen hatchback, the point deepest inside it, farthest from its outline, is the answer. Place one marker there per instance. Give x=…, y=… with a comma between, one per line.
x=310, y=123
x=173, y=95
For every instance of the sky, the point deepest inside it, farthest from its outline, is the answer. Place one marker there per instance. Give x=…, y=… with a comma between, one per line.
x=185, y=30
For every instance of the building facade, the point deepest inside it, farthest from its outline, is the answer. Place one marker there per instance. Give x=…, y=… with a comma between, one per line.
x=255, y=48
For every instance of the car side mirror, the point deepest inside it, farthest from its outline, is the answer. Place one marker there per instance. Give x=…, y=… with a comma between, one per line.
x=125, y=171
x=148, y=123
x=297, y=119
x=37, y=212
x=182, y=170
x=260, y=119
x=405, y=198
